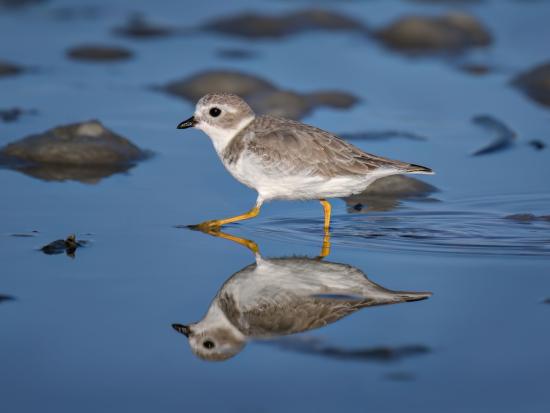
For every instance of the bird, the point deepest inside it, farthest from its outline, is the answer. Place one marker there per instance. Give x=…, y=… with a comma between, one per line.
x=275, y=297
x=283, y=159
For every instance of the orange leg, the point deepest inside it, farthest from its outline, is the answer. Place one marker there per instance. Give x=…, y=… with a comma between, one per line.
x=217, y=223
x=328, y=209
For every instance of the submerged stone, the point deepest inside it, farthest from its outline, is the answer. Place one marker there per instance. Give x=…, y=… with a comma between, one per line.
x=138, y=27
x=253, y=25
x=68, y=246
x=85, y=151
x=263, y=96
x=448, y=33
x=12, y=114
x=99, y=53
x=527, y=217
x=19, y=3
x=535, y=83
x=9, y=69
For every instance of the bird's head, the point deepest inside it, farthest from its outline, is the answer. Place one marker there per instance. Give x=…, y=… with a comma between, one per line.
x=212, y=342
x=221, y=116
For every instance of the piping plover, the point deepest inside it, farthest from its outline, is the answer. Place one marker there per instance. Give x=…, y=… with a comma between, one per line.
x=282, y=296
x=285, y=159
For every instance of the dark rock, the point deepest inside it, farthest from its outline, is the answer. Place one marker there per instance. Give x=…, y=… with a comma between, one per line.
x=70, y=13
x=448, y=33
x=537, y=144
x=237, y=54
x=504, y=136
x=547, y=301
x=19, y=3
x=477, y=69
x=527, y=217
x=138, y=27
x=9, y=69
x=25, y=234
x=386, y=193
x=84, y=152
x=99, y=53
x=4, y=298
x=254, y=26
x=263, y=96
x=12, y=114
x=68, y=246
x=535, y=83
x=400, y=376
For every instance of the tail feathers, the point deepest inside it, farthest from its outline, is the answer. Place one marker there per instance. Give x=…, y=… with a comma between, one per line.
x=418, y=169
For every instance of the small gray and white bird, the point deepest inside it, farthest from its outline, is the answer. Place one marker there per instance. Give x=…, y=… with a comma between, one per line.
x=285, y=159
x=283, y=296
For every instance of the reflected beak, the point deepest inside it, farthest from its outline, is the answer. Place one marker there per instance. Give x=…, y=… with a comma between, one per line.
x=188, y=123
x=180, y=328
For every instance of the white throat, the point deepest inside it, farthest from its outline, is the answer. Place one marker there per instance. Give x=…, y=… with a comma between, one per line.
x=215, y=318
x=221, y=137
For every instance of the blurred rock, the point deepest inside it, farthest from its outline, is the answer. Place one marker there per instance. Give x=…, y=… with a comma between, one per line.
x=12, y=114
x=68, y=246
x=263, y=96
x=535, y=83
x=386, y=193
x=400, y=376
x=527, y=217
x=99, y=53
x=478, y=69
x=504, y=136
x=237, y=54
x=19, y=3
x=4, y=298
x=254, y=26
x=537, y=144
x=445, y=1
x=9, y=69
x=547, y=301
x=138, y=27
x=451, y=32
x=84, y=152
x=31, y=234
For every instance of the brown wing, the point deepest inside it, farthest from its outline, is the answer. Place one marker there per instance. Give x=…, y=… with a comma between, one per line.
x=293, y=148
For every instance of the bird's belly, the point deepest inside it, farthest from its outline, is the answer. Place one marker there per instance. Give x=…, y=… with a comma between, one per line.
x=272, y=184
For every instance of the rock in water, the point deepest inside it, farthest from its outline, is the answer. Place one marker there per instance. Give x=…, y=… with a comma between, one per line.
x=84, y=152
x=9, y=69
x=138, y=27
x=535, y=83
x=448, y=33
x=99, y=53
x=68, y=246
x=254, y=26
x=263, y=96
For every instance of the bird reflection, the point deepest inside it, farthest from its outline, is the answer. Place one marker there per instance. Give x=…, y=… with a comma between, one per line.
x=275, y=297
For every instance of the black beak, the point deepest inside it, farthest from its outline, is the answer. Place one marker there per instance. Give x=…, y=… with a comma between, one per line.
x=180, y=328
x=188, y=123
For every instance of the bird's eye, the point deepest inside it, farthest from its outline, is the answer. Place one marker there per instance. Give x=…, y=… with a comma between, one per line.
x=208, y=344
x=215, y=112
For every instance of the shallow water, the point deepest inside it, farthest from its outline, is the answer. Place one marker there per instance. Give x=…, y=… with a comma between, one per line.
x=94, y=333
